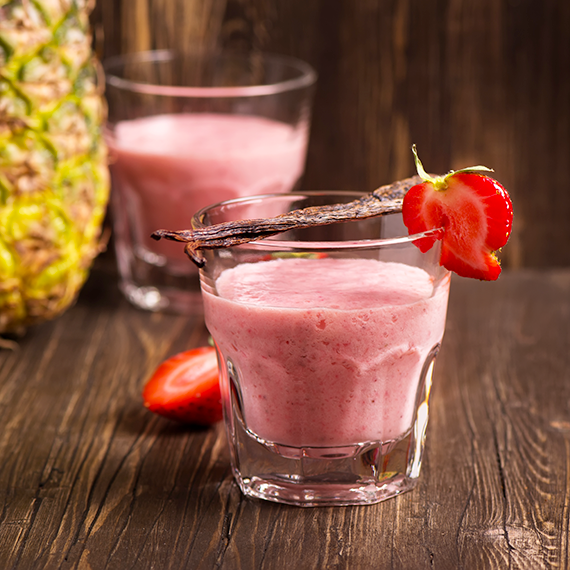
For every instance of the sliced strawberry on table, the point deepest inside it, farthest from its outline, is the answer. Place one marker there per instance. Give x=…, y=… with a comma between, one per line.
x=473, y=209
x=186, y=388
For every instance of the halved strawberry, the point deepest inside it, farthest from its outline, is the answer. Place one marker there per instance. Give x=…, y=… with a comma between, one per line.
x=475, y=212
x=185, y=388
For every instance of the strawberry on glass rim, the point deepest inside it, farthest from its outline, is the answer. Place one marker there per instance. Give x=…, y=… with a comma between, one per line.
x=473, y=209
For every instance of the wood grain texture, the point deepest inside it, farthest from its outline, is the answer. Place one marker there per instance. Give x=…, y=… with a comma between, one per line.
x=90, y=479
x=468, y=81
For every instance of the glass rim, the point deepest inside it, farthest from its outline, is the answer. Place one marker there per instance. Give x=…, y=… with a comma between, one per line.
x=279, y=244
x=307, y=76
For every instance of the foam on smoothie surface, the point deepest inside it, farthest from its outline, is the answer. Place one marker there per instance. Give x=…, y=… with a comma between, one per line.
x=338, y=284
x=205, y=134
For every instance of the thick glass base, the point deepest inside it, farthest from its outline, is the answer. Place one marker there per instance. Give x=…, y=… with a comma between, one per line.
x=357, y=475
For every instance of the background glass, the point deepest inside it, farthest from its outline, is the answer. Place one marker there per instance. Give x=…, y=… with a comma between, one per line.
x=188, y=131
x=326, y=369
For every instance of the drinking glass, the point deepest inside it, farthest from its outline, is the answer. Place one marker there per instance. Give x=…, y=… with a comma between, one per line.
x=186, y=131
x=326, y=340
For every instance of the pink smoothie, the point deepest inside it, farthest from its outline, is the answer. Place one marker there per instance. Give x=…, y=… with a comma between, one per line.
x=167, y=167
x=329, y=351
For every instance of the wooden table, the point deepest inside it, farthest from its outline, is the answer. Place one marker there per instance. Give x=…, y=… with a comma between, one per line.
x=89, y=479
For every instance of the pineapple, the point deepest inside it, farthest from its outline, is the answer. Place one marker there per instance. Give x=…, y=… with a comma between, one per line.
x=54, y=182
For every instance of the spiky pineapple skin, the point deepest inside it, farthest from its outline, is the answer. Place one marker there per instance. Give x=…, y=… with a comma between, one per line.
x=54, y=181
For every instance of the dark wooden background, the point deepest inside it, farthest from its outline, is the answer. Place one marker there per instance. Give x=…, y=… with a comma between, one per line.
x=469, y=81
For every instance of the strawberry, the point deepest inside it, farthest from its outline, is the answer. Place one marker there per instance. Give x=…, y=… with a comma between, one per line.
x=475, y=212
x=185, y=388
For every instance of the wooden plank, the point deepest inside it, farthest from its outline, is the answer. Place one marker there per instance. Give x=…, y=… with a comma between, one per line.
x=506, y=348
x=90, y=479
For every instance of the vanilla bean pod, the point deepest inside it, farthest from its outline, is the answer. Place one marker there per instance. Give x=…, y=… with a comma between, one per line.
x=385, y=200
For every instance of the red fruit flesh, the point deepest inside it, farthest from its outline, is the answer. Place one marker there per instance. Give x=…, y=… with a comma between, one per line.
x=185, y=388
x=476, y=214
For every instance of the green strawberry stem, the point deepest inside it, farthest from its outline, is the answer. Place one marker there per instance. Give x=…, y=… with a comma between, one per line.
x=440, y=182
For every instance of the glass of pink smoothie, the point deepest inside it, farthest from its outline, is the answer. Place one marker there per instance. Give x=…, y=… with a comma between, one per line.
x=326, y=339
x=188, y=131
